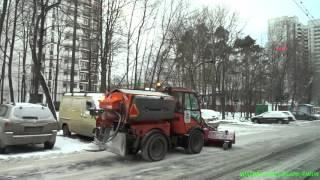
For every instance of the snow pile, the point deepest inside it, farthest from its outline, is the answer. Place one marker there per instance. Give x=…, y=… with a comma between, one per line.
x=63, y=145
x=209, y=114
x=230, y=118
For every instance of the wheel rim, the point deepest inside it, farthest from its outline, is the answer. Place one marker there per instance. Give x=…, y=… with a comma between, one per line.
x=157, y=149
x=65, y=130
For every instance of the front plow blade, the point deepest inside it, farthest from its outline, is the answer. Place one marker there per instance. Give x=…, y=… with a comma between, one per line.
x=220, y=137
x=118, y=144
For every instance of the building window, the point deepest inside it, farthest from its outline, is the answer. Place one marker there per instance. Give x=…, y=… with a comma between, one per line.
x=85, y=44
x=67, y=60
x=85, y=55
x=83, y=76
x=86, y=21
x=84, y=65
x=68, y=36
x=86, y=11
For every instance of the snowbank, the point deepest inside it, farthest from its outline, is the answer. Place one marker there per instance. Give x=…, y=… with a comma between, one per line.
x=209, y=114
x=63, y=145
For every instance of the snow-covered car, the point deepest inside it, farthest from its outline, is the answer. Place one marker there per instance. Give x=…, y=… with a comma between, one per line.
x=289, y=114
x=25, y=123
x=271, y=117
x=209, y=115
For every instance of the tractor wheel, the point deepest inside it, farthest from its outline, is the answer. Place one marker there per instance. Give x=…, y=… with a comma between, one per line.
x=66, y=131
x=195, y=142
x=155, y=148
x=225, y=145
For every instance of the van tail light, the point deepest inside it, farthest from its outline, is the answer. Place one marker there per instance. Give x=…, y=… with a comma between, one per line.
x=7, y=124
x=134, y=112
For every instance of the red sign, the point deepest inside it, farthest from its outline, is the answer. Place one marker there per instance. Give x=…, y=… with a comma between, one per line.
x=281, y=49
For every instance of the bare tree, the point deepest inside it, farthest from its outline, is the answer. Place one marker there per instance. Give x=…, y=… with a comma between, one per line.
x=145, y=5
x=3, y=15
x=40, y=11
x=3, y=71
x=11, y=50
x=109, y=26
x=129, y=36
x=74, y=41
x=166, y=22
x=25, y=41
x=60, y=28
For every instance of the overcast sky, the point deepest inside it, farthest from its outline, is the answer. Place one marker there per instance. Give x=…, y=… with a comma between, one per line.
x=255, y=13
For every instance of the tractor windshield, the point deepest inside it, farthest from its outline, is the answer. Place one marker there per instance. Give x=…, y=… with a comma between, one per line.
x=191, y=104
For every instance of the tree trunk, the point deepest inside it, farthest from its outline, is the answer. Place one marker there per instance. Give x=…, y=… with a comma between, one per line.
x=3, y=15
x=138, y=43
x=46, y=91
x=147, y=67
x=90, y=69
x=56, y=78
x=104, y=60
x=223, y=99
x=74, y=41
x=101, y=44
x=89, y=88
x=109, y=70
x=24, y=59
x=11, y=51
x=3, y=72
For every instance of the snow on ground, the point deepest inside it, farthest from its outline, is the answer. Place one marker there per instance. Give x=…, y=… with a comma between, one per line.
x=242, y=126
x=63, y=145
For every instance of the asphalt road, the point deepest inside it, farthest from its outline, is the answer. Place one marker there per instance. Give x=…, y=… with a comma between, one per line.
x=273, y=148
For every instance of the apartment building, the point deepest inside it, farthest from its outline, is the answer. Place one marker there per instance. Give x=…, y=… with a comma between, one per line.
x=58, y=55
x=314, y=54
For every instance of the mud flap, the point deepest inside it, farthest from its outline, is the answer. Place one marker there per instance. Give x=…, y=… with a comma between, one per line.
x=118, y=144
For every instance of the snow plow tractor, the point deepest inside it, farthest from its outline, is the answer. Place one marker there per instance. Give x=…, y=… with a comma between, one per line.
x=153, y=123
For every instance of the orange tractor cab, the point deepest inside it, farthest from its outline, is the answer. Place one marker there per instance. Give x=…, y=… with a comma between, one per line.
x=153, y=122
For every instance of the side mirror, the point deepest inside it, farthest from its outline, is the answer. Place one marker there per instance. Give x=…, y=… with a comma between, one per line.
x=89, y=105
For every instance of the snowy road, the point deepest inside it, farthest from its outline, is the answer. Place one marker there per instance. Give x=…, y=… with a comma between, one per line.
x=293, y=147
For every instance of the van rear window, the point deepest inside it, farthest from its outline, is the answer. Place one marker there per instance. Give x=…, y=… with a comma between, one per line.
x=32, y=113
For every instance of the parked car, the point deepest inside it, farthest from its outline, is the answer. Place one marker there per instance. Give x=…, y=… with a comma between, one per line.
x=25, y=123
x=290, y=115
x=75, y=115
x=300, y=115
x=209, y=115
x=271, y=117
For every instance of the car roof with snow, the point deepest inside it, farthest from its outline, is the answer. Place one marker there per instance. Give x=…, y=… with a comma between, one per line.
x=274, y=113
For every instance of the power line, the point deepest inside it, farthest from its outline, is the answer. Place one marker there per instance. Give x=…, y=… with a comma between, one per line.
x=308, y=12
x=303, y=8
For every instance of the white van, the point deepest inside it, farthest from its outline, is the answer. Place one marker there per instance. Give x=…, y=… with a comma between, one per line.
x=74, y=113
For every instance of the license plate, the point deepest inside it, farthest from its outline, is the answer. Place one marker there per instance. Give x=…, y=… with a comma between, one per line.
x=32, y=129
